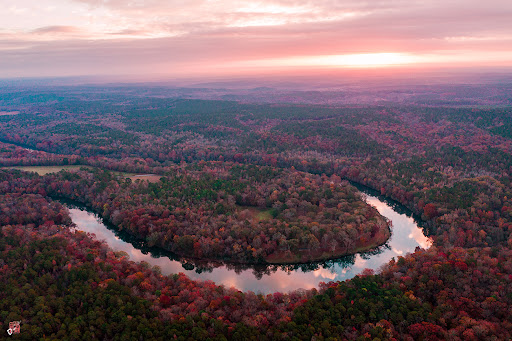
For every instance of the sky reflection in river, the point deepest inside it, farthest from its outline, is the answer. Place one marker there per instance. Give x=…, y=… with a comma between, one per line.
x=406, y=236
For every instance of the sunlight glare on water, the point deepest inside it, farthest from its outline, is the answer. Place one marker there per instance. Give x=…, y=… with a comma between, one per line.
x=406, y=236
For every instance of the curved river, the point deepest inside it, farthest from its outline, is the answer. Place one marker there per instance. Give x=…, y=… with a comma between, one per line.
x=405, y=237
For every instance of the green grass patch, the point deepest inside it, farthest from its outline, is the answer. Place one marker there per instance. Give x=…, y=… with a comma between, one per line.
x=256, y=213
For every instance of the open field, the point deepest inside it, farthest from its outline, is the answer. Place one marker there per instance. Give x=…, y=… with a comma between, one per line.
x=43, y=170
x=148, y=177
x=256, y=213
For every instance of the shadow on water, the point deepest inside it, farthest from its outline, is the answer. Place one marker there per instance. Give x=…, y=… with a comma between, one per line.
x=258, y=270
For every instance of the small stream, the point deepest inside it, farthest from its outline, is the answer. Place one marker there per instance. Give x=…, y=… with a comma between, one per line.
x=406, y=235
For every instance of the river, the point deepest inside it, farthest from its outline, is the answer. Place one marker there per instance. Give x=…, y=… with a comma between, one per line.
x=405, y=237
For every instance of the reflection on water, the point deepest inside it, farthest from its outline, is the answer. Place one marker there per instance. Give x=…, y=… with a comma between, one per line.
x=405, y=237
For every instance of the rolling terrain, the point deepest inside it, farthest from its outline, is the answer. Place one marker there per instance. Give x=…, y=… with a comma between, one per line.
x=256, y=176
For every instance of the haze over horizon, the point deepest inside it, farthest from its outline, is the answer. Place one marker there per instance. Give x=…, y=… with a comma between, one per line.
x=155, y=39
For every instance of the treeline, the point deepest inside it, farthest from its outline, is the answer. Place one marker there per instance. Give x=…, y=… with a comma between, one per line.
x=66, y=285
x=230, y=212
x=451, y=166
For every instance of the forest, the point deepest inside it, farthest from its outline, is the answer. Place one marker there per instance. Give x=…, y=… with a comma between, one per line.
x=253, y=182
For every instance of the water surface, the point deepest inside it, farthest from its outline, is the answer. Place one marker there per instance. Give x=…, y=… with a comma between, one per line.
x=406, y=235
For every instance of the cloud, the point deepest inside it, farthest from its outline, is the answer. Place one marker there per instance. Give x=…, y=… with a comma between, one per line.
x=56, y=30
x=178, y=36
x=132, y=32
x=325, y=273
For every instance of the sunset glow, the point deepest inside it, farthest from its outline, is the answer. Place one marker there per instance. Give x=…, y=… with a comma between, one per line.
x=363, y=60
x=368, y=59
x=174, y=38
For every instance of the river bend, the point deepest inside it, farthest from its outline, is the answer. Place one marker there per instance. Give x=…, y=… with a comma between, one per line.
x=406, y=235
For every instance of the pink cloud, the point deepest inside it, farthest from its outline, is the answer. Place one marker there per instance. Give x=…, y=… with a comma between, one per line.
x=56, y=30
x=176, y=36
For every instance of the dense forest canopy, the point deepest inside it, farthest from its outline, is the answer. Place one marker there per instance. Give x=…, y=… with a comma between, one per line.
x=255, y=179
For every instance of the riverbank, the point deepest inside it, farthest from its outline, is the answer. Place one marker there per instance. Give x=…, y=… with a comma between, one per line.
x=305, y=256
x=406, y=236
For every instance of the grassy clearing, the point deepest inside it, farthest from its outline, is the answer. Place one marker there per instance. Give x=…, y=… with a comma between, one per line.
x=43, y=170
x=263, y=215
x=148, y=177
x=256, y=213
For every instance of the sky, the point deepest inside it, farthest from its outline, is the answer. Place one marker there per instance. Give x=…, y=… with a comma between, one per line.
x=180, y=38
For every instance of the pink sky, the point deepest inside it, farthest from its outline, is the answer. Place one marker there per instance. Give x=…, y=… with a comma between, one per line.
x=176, y=38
